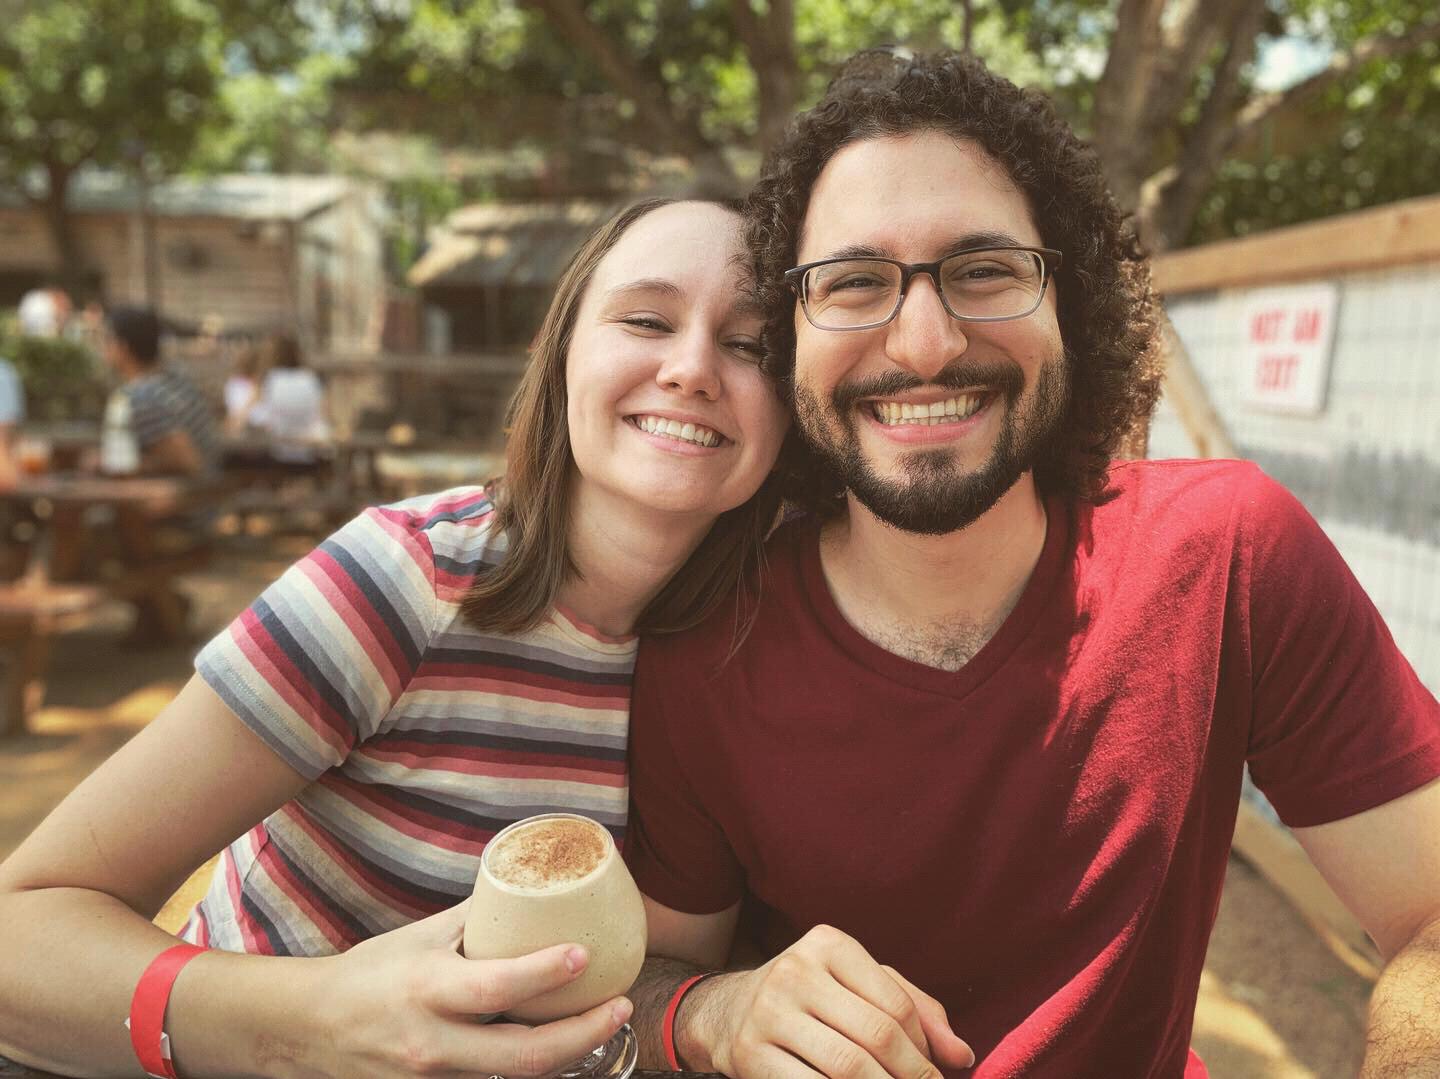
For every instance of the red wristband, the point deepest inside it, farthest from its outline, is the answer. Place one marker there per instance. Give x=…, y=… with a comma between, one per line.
x=147, y=1010
x=667, y=1029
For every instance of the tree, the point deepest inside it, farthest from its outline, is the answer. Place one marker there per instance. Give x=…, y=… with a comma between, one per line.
x=115, y=83
x=1167, y=89
x=1177, y=93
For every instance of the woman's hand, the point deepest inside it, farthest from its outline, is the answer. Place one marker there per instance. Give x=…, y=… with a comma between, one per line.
x=408, y=1003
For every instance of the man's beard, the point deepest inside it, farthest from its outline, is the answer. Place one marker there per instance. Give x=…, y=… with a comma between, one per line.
x=937, y=497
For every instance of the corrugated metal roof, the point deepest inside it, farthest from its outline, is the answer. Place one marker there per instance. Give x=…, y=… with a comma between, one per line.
x=244, y=196
x=494, y=244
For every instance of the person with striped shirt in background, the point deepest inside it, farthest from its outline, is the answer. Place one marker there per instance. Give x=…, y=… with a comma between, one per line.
x=434, y=671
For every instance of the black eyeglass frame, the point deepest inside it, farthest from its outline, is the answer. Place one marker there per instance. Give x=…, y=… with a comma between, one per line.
x=1050, y=262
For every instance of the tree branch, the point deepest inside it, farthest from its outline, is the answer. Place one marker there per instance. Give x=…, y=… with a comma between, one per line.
x=1166, y=211
x=770, y=46
x=653, y=105
x=1375, y=47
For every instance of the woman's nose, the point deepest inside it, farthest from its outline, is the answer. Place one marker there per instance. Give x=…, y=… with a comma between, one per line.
x=692, y=366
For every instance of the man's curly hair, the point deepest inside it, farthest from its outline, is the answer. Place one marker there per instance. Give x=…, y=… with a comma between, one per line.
x=1106, y=310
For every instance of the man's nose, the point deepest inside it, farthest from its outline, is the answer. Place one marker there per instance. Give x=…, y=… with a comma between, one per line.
x=923, y=336
x=691, y=366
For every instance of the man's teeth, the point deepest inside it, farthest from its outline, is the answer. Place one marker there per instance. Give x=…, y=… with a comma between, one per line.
x=951, y=410
x=685, y=432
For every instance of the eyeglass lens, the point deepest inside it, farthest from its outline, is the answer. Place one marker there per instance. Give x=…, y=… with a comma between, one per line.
x=994, y=284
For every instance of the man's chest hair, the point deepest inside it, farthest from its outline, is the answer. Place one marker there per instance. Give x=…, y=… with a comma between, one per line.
x=946, y=647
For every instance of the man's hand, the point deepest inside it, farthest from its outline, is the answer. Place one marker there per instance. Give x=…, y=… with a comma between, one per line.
x=825, y=1007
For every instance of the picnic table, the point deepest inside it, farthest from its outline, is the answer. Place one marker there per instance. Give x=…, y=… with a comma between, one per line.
x=134, y=556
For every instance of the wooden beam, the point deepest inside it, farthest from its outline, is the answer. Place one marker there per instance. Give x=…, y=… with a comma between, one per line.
x=1283, y=862
x=1402, y=233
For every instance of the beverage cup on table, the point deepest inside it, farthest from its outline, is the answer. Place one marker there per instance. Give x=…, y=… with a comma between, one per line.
x=557, y=879
x=32, y=453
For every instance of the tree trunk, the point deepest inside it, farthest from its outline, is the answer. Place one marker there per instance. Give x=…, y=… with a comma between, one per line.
x=770, y=46
x=55, y=206
x=1166, y=211
x=1121, y=94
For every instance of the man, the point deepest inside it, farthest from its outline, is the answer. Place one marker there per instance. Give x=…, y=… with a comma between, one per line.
x=975, y=768
x=173, y=424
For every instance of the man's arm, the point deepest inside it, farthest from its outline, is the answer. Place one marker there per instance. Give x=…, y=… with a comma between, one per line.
x=823, y=1005
x=173, y=454
x=1385, y=865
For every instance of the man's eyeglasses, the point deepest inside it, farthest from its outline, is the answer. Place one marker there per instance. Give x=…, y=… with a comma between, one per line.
x=983, y=284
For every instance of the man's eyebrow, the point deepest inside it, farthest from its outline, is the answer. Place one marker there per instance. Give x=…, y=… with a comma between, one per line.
x=646, y=284
x=982, y=238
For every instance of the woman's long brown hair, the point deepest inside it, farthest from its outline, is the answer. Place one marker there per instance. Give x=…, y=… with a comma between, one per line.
x=533, y=500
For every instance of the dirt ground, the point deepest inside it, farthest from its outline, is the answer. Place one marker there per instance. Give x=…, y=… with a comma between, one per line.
x=1275, y=1003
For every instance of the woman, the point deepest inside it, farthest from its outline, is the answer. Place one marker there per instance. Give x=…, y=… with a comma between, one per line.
x=290, y=405
x=431, y=672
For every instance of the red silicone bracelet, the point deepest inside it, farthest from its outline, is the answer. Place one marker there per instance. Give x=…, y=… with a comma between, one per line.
x=147, y=1009
x=667, y=1029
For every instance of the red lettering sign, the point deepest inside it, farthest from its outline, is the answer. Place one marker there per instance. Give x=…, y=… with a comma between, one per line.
x=1265, y=326
x=1307, y=325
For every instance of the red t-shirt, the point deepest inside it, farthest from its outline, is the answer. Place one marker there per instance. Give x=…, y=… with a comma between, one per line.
x=1040, y=838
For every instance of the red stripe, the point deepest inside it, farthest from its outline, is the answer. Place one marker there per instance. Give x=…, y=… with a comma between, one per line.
x=295, y=890
x=279, y=673
x=361, y=619
x=459, y=678
x=460, y=758
x=379, y=888
x=255, y=838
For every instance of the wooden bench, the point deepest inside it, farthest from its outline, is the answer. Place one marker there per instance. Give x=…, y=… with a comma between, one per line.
x=31, y=612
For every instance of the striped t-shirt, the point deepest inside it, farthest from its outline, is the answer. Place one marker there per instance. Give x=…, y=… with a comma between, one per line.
x=422, y=736
x=164, y=401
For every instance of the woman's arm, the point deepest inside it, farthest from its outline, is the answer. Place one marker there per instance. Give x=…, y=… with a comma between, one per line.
x=76, y=899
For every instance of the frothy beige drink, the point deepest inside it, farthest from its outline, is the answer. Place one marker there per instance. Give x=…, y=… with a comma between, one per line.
x=555, y=879
x=547, y=854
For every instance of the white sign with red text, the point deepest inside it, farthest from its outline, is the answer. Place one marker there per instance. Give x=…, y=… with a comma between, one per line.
x=1285, y=357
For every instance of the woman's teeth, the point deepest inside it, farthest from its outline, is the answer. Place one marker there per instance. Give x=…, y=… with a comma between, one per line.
x=951, y=410
x=685, y=432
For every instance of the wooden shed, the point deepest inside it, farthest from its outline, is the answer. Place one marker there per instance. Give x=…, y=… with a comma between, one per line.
x=491, y=269
x=236, y=253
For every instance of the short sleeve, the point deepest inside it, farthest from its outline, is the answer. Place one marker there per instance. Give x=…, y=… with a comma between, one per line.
x=152, y=416
x=675, y=848
x=1341, y=723
x=316, y=663
x=12, y=395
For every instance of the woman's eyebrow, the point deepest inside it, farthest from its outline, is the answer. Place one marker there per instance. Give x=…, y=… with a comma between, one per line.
x=643, y=285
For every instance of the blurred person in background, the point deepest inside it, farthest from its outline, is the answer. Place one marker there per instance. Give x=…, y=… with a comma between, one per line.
x=172, y=422
x=44, y=311
x=12, y=414
x=290, y=407
x=242, y=387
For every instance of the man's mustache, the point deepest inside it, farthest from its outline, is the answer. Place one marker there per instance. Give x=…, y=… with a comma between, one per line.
x=960, y=376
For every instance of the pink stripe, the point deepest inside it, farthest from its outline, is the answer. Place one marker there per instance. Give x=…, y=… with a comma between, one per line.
x=292, y=889
x=602, y=698
x=279, y=673
x=255, y=838
x=343, y=859
x=360, y=619
x=517, y=767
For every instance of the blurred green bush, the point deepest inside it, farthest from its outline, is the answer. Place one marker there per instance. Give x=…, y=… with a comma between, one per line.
x=62, y=378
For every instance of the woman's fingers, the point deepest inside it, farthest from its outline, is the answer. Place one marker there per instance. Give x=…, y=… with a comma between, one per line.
x=518, y=1052
x=474, y=987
